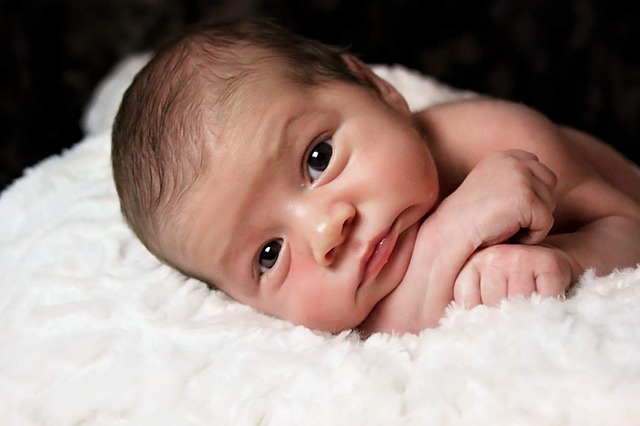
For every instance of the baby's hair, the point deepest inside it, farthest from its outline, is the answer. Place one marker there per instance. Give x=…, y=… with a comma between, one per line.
x=159, y=140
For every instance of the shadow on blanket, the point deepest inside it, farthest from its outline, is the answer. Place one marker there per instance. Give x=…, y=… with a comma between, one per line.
x=94, y=330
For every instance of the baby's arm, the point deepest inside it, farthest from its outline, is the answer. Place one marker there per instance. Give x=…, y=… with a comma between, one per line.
x=597, y=216
x=508, y=194
x=507, y=270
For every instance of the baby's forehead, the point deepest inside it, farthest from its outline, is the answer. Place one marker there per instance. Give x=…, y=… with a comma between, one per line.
x=235, y=100
x=256, y=135
x=246, y=103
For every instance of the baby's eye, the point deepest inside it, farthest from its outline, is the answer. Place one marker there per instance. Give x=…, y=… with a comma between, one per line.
x=319, y=158
x=268, y=255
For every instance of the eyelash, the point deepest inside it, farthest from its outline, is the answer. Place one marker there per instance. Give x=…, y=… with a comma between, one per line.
x=321, y=156
x=274, y=246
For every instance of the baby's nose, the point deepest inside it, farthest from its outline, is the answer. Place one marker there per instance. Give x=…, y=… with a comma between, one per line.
x=330, y=230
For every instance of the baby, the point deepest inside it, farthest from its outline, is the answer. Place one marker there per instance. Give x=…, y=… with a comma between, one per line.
x=287, y=174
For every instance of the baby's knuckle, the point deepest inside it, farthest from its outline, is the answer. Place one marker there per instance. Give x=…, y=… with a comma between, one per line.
x=500, y=254
x=549, y=263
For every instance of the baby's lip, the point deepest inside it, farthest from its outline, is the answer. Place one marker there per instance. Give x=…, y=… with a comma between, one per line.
x=377, y=255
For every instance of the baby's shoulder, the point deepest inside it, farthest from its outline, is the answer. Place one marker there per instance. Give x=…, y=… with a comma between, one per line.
x=480, y=109
x=483, y=123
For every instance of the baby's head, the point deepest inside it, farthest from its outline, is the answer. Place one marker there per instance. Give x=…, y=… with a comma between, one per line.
x=160, y=135
x=276, y=168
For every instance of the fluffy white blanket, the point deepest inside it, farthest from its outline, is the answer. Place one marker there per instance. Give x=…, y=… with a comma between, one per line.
x=94, y=330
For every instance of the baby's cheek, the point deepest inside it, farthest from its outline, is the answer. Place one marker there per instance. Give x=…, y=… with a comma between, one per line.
x=316, y=299
x=306, y=293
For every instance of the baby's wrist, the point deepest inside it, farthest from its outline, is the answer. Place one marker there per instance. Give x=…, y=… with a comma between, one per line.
x=453, y=225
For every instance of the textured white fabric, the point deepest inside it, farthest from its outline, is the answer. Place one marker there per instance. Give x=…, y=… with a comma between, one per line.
x=95, y=331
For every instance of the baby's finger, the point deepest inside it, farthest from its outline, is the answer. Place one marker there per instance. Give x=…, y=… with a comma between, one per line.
x=537, y=227
x=466, y=289
x=551, y=284
x=521, y=285
x=493, y=286
x=544, y=194
x=544, y=174
x=521, y=154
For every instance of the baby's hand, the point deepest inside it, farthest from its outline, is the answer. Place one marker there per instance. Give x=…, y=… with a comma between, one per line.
x=507, y=195
x=510, y=270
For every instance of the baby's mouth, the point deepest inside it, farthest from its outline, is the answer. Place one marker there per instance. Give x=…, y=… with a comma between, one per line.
x=380, y=254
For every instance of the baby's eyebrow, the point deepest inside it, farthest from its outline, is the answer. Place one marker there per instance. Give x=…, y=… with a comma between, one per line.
x=298, y=124
x=290, y=129
x=277, y=146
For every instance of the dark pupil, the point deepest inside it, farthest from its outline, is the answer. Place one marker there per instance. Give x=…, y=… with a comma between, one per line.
x=320, y=156
x=269, y=254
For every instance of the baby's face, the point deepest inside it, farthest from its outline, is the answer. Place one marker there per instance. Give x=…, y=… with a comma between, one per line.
x=312, y=204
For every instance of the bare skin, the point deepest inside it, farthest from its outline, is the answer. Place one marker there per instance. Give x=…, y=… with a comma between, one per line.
x=584, y=215
x=335, y=207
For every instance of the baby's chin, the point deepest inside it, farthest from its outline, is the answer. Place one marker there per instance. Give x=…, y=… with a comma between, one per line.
x=348, y=319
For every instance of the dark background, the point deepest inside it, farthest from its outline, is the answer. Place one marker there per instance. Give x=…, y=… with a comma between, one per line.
x=576, y=61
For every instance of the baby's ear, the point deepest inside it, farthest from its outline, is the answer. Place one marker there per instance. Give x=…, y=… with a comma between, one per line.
x=386, y=90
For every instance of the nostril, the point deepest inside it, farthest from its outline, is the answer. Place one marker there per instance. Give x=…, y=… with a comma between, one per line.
x=331, y=232
x=346, y=226
x=349, y=221
x=329, y=257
